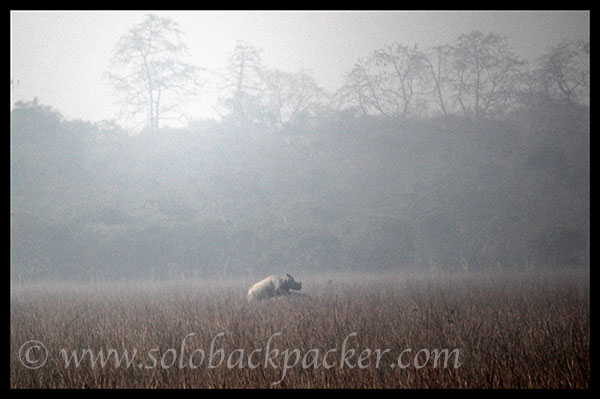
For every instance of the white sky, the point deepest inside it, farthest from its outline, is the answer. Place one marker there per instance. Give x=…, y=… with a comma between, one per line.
x=59, y=57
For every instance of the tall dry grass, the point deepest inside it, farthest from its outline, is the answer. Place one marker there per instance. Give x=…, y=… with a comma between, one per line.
x=525, y=331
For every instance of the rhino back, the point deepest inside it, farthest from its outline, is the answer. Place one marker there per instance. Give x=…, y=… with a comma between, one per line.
x=263, y=289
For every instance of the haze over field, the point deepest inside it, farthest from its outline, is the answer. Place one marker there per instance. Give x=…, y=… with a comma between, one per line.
x=404, y=140
x=417, y=182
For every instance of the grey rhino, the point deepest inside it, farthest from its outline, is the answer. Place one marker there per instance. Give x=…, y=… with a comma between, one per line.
x=273, y=286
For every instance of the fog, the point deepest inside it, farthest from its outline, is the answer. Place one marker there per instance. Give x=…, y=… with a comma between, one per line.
x=463, y=154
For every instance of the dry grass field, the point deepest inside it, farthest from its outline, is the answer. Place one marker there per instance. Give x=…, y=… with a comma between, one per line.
x=506, y=331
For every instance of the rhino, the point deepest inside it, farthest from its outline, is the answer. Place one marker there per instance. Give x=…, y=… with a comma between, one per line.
x=273, y=286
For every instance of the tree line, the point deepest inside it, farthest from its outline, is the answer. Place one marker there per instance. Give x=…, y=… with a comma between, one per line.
x=478, y=75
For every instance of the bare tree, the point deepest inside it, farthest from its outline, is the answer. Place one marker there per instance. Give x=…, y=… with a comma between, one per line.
x=388, y=82
x=564, y=71
x=243, y=85
x=401, y=75
x=485, y=73
x=254, y=95
x=148, y=73
x=438, y=64
x=359, y=90
x=291, y=97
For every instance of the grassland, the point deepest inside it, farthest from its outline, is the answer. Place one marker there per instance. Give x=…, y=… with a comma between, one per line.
x=512, y=331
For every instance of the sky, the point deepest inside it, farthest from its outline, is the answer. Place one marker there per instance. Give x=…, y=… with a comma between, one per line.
x=60, y=56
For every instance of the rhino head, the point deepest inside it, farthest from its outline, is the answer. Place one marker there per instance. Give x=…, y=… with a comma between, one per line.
x=292, y=284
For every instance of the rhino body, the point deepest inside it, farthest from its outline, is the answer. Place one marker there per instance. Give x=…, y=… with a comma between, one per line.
x=273, y=286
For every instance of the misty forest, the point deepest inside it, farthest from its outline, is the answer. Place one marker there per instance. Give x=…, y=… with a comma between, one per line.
x=461, y=157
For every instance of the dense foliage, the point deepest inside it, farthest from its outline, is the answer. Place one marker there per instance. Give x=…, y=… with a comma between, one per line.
x=345, y=192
